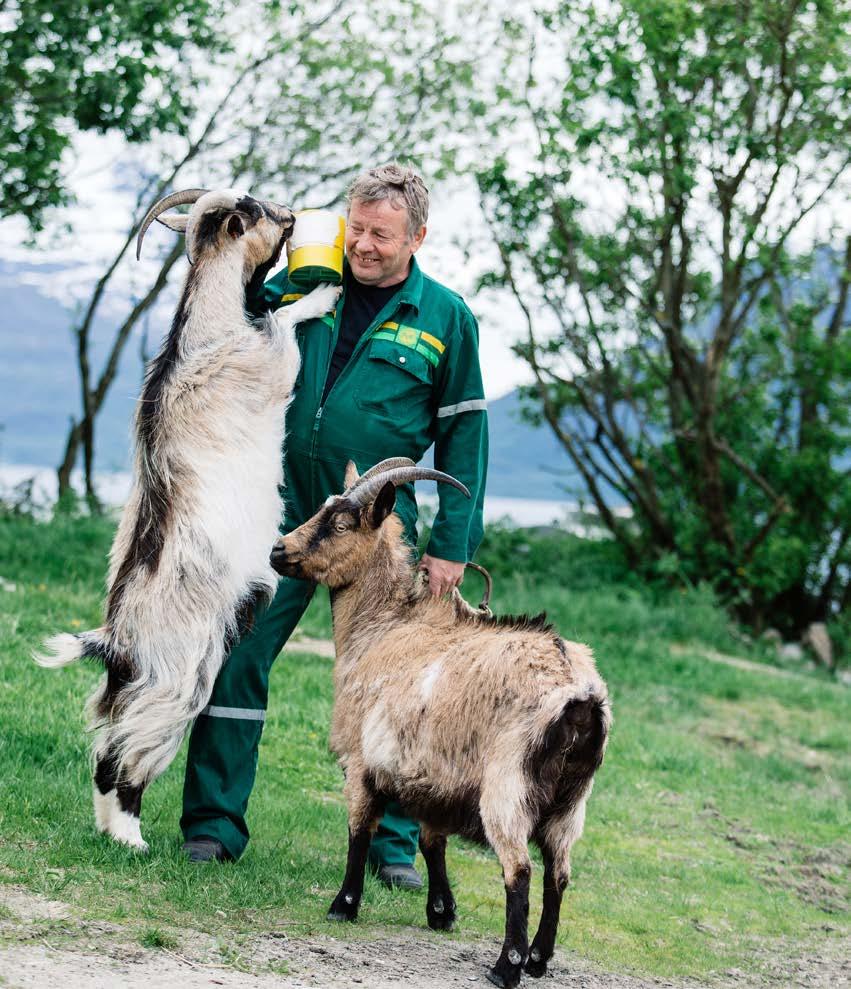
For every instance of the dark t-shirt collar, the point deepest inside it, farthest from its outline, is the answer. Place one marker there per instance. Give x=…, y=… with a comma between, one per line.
x=371, y=295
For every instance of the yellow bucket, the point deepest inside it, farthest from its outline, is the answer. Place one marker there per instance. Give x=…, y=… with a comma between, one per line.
x=315, y=249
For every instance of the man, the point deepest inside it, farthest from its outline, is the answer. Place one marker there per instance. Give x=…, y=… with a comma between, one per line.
x=392, y=370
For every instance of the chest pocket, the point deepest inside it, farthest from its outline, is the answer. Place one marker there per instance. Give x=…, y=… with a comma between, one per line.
x=396, y=377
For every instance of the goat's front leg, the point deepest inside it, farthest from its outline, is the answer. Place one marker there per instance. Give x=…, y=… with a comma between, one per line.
x=287, y=355
x=316, y=303
x=365, y=809
x=440, y=905
x=282, y=323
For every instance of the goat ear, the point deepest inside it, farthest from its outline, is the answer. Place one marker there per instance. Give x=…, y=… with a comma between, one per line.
x=383, y=504
x=174, y=221
x=235, y=226
x=351, y=474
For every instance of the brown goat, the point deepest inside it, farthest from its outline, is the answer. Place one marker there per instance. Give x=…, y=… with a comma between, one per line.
x=489, y=728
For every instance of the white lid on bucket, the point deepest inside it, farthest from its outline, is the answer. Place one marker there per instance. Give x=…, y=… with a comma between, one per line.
x=317, y=226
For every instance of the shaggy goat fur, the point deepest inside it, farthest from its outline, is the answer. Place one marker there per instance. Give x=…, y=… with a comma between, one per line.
x=489, y=728
x=190, y=558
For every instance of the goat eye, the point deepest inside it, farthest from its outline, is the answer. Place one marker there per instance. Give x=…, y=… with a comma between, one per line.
x=341, y=527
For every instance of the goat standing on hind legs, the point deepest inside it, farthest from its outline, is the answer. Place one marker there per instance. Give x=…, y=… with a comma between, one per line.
x=190, y=560
x=489, y=728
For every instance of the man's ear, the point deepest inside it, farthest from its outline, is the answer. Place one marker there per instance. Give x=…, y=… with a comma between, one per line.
x=417, y=240
x=351, y=474
x=383, y=504
x=174, y=221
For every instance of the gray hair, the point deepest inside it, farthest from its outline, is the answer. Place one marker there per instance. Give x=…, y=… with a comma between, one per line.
x=401, y=184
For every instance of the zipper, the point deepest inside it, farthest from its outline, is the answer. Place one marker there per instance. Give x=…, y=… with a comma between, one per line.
x=367, y=335
x=317, y=419
x=359, y=346
x=315, y=433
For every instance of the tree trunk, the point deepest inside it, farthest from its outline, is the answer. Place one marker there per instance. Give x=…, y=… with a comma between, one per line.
x=72, y=445
x=83, y=432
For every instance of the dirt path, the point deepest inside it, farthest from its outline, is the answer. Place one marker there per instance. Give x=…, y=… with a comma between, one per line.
x=300, y=963
x=43, y=946
x=292, y=964
x=737, y=662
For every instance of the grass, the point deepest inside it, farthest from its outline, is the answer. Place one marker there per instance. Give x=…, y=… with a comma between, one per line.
x=155, y=938
x=717, y=835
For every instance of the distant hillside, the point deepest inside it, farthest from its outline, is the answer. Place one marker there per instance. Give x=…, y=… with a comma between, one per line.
x=39, y=389
x=39, y=392
x=525, y=458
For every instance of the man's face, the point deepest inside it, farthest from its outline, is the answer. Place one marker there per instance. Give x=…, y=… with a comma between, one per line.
x=377, y=243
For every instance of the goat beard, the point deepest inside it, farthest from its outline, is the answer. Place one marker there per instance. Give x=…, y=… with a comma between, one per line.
x=255, y=283
x=276, y=257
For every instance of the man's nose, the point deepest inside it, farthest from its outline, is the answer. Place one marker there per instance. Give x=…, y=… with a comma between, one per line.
x=363, y=243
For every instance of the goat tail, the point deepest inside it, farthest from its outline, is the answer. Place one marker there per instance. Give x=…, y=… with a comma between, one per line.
x=589, y=721
x=67, y=648
x=578, y=733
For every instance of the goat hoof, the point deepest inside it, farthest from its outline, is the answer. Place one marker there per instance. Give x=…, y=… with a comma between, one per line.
x=536, y=966
x=440, y=914
x=128, y=837
x=504, y=974
x=441, y=923
x=338, y=915
x=141, y=846
x=344, y=907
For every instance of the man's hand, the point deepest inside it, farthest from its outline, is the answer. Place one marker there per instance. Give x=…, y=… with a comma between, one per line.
x=443, y=575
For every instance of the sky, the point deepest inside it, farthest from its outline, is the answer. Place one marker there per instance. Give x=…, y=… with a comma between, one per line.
x=101, y=170
x=104, y=204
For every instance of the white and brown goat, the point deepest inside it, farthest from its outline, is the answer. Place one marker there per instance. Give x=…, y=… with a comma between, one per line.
x=488, y=728
x=190, y=559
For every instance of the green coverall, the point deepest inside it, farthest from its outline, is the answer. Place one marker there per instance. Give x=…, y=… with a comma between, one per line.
x=412, y=380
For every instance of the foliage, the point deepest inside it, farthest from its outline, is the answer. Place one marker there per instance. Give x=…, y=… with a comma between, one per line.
x=91, y=65
x=552, y=556
x=715, y=836
x=690, y=364
x=321, y=92
x=154, y=937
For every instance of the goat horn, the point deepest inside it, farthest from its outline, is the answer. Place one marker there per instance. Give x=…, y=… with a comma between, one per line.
x=362, y=495
x=175, y=199
x=390, y=464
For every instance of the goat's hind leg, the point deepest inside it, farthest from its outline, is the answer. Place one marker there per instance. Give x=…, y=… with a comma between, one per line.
x=556, y=878
x=104, y=787
x=555, y=836
x=118, y=803
x=508, y=969
x=440, y=905
x=365, y=809
x=507, y=829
